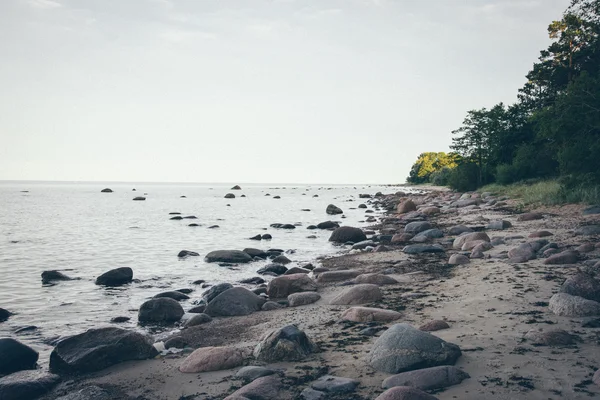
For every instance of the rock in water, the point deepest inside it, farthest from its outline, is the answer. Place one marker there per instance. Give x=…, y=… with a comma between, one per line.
x=97, y=349
x=404, y=348
x=106, y=190
x=187, y=253
x=236, y=187
x=26, y=385
x=285, y=344
x=228, y=256
x=207, y=359
x=160, y=310
x=172, y=294
x=233, y=302
x=427, y=378
x=405, y=393
x=115, y=277
x=139, y=198
x=333, y=210
x=4, y=314
x=15, y=356
x=345, y=234
x=53, y=275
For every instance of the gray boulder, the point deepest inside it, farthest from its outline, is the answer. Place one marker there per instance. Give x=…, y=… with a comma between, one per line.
x=405, y=393
x=333, y=210
x=115, y=277
x=97, y=349
x=345, y=234
x=161, y=310
x=522, y=253
x=283, y=286
x=265, y=388
x=303, y=298
x=588, y=230
x=54, y=275
x=433, y=233
x=172, y=294
x=216, y=290
x=27, y=385
x=404, y=348
x=423, y=248
x=15, y=356
x=458, y=229
x=335, y=384
x=228, y=256
x=582, y=285
x=573, y=306
x=427, y=378
x=286, y=344
x=498, y=225
x=592, y=210
x=233, y=302
x=277, y=269
x=469, y=237
x=198, y=319
x=565, y=257
x=458, y=259
x=4, y=314
x=358, y=294
x=417, y=227
x=251, y=373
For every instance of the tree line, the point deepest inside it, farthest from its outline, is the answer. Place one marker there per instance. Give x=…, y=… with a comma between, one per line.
x=551, y=131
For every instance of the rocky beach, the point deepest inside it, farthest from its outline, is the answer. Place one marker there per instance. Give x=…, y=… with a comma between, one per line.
x=444, y=295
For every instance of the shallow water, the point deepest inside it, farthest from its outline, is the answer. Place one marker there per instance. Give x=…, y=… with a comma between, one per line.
x=78, y=230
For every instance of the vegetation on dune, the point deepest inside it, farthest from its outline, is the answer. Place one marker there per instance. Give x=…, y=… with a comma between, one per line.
x=551, y=132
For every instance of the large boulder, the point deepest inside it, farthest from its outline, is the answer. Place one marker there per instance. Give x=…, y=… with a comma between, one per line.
x=252, y=252
x=285, y=285
x=406, y=206
x=358, y=294
x=573, y=306
x=565, y=257
x=207, y=359
x=404, y=348
x=215, y=290
x=160, y=310
x=345, y=234
x=582, y=285
x=417, y=227
x=368, y=314
x=427, y=378
x=234, y=301
x=228, y=256
x=405, y=393
x=469, y=237
x=115, y=277
x=522, y=253
x=333, y=210
x=15, y=356
x=27, y=385
x=286, y=344
x=97, y=349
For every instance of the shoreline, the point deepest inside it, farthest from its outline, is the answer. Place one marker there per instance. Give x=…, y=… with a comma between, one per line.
x=489, y=304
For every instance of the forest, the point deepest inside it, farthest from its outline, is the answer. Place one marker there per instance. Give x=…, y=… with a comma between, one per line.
x=552, y=131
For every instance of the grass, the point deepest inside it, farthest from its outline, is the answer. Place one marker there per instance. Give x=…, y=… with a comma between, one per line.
x=549, y=192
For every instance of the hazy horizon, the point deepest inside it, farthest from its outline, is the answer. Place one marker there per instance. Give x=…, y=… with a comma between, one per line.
x=237, y=91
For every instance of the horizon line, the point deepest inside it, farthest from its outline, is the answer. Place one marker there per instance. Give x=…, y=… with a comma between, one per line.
x=195, y=183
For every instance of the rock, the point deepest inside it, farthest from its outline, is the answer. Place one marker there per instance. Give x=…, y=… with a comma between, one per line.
x=271, y=305
x=281, y=259
x=586, y=248
x=4, y=314
x=286, y=344
x=213, y=226
x=458, y=229
x=173, y=294
x=363, y=245
x=265, y=388
x=233, y=302
x=376, y=279
x=417, y=227
x=401, y=238
x=255, y=252
x=312, y=394
x=116, y=277
x=566, y=257
x=592, y=210
x=296, y=270
x=236, y=187
x=404, y=348
x=405, y=393
x=230, y=196
x=161, y=310
x=423, y=248
x=582, y=285
x=458, y=259
x=522, y=253
x=176, y=342
x=118, y=320
x=276, y=269
x=327, y=225
x=176, y=218
x=368, y=314
x=187, y=253
x=358, y=294
x=529, y=216
x=97, y=349
x=215, y=290
x=198, y=309
x=434, y=325
x=207, y=359
x=406, y=206
x=345, y=234
x=554, y=337
x=283, y=286
x=498, y=225
x=362, y=206
x=333, y=210
x=251, y=373
x=266, y=236
x=469, y=237
x=27, y=385
x=15, y=356
x=430, y=211
x=335, y=384
x=139, y=198
x=573, y=306
x=427, y=378
x=88, y=393
x=336, y=276
x=596, y=378
x=53, y=275
x=430, y=234
x=303, y=298
x=198, y=319
x=253, y=281
x=228, y=256
x=106, y=190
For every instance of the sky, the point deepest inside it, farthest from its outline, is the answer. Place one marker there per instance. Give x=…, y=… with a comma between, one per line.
x=294, y=91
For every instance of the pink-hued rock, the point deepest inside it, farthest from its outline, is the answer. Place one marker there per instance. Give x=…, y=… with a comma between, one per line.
x=586, y=248
x=566, y=257
x=212, y=359
x=406, y=206
x=434, y=325
x=285, y=285
x=458, y=259
x=368, y=314
x=405, y=393
x=265, y=388
x=336, y=276
x=358, y=294
x=530, y=216
x=469, y=237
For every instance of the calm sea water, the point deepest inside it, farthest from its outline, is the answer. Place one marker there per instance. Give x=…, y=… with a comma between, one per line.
x=78, y=230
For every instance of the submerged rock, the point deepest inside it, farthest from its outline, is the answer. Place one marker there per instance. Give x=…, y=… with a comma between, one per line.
x=160, y=310
x=54, y=275
x=345, y=234
x=116, y=277
x=228, y=256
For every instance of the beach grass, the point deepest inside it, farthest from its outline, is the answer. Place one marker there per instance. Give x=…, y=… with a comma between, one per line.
x=547, y=192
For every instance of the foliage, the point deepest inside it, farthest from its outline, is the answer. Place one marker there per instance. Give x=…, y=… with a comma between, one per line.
x=429, y=163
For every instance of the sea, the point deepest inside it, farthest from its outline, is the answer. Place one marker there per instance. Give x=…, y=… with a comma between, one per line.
x=82, y=232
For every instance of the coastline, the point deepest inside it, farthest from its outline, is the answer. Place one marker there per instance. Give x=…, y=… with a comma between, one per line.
x=490, y=304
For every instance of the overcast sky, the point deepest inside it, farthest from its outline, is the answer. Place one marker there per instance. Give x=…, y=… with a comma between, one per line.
x=298, y=91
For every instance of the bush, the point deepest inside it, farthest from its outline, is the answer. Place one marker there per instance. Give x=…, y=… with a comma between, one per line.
x=441, y=177
x=464, y=177
x=506, y=173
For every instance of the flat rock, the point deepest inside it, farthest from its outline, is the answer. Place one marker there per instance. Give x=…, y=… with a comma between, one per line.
x=403, y=348
x=405, y=393
x=553, y=337
x=251, y=373
x=283, y=286
x=161, y=310
x=530, y=216
x=303, y=298
x=234, y=302
x=286, y=344
x=115, y=277
x=435, y=325
x=375, y=279
x=16, y=356
x=358, y=294
x=97, y=349
x=427, y=378
x=423, y=248
x=207, y=359
x=27, y=385
x=565, y=257
x=228, y=256
x=573, y=306
x=335, y=384
x=369, y=314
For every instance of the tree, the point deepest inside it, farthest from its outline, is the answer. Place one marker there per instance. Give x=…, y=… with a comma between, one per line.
x=429, y=163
